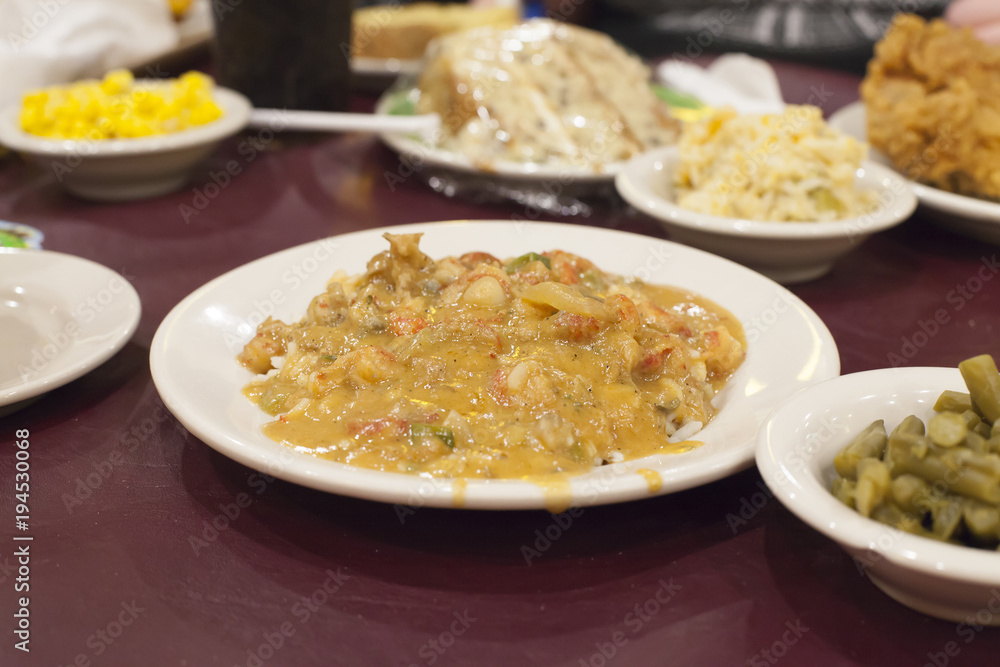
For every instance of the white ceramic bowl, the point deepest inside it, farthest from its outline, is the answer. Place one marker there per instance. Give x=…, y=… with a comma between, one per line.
x=124, y=169
x=789, y=252
x=795, y=451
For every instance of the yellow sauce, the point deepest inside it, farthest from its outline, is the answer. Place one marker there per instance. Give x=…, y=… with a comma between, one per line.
x=472, y=368
x=458, y=488
x=653, y=479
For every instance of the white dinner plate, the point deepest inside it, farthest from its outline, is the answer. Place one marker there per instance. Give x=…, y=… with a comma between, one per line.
x=60, y=317
x=978, y=218
x=193, y=362
x=365, y=66
x=414, y=151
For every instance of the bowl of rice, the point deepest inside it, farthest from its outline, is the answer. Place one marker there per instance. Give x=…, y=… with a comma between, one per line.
x=781, y=193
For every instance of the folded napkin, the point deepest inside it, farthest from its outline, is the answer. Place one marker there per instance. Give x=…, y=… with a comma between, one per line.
x=45, y=42
x=747, y=84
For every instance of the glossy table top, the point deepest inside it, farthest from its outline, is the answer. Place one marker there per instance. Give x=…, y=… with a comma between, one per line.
x=151, y=549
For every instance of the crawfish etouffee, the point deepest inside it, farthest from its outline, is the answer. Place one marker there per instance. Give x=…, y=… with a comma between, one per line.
x=475, y=367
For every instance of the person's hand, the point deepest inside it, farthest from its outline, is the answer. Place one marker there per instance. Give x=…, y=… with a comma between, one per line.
x=983, y=16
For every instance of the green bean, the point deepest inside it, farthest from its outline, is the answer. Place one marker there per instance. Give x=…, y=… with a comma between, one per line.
x=983, y=380
x=843, y=490
x=976, y=443
x=953, y=401
x=972, y=419
x=870, y=443
x=982, y=521
x=993, y=444
x=946, y=515
x=911, y=443
x=873, y=485
x=947, y=429
x=995, y=429
x=910, y=493
x=958, y=475
x=895, y=516
x=983, y=429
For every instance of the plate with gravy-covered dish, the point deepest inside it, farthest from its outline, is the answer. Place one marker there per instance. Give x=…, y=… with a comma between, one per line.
x=485, y=365
x=539, y=100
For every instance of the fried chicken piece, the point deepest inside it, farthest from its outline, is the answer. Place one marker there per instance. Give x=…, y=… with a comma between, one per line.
x=932, y=94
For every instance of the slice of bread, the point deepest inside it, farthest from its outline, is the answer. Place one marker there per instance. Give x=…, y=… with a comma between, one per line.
x=403, y=31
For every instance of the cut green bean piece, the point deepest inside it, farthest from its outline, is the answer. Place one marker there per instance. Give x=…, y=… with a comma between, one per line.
x=993, y=444
x=909, y=492
x=843, y=490
x=957, y=474
x=873, y=485
x=869, y=444
x=976, y=443
x=983, y=380
x=982, y=521
x=895, y=516
x=946, y=515
x=953, y=401
x=983, y=429
x=972, y=419
x=947, y=429
x=911, y=443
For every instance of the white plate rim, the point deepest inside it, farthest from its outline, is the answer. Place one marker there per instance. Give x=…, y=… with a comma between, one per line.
x=850, y=118
x=368, y=66
x=235, y=116
x=417, y=152
x=849, y=528
x=632, y=184
x=131, y=309
x=625, y=484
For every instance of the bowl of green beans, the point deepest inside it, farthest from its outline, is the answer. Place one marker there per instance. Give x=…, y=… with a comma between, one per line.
x=901, y=467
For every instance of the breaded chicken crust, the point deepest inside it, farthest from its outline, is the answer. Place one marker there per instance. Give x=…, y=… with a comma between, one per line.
x=932, y=94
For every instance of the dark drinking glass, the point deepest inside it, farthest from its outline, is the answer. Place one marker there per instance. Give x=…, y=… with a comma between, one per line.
x=288, y=54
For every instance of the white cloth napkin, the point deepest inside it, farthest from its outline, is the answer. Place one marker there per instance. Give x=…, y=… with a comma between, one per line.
x=747, y=84
x=45, y=42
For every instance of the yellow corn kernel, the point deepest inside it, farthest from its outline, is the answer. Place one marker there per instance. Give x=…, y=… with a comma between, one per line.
x=117, y=107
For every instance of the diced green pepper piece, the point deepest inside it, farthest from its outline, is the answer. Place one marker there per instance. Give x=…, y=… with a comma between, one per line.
x=520, y=262
x=443, y=433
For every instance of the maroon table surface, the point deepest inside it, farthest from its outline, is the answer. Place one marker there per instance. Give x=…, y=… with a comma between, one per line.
x=126, y=567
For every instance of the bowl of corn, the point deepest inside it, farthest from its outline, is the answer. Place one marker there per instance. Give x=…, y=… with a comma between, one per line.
x=900, y=467
x=120, y=138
